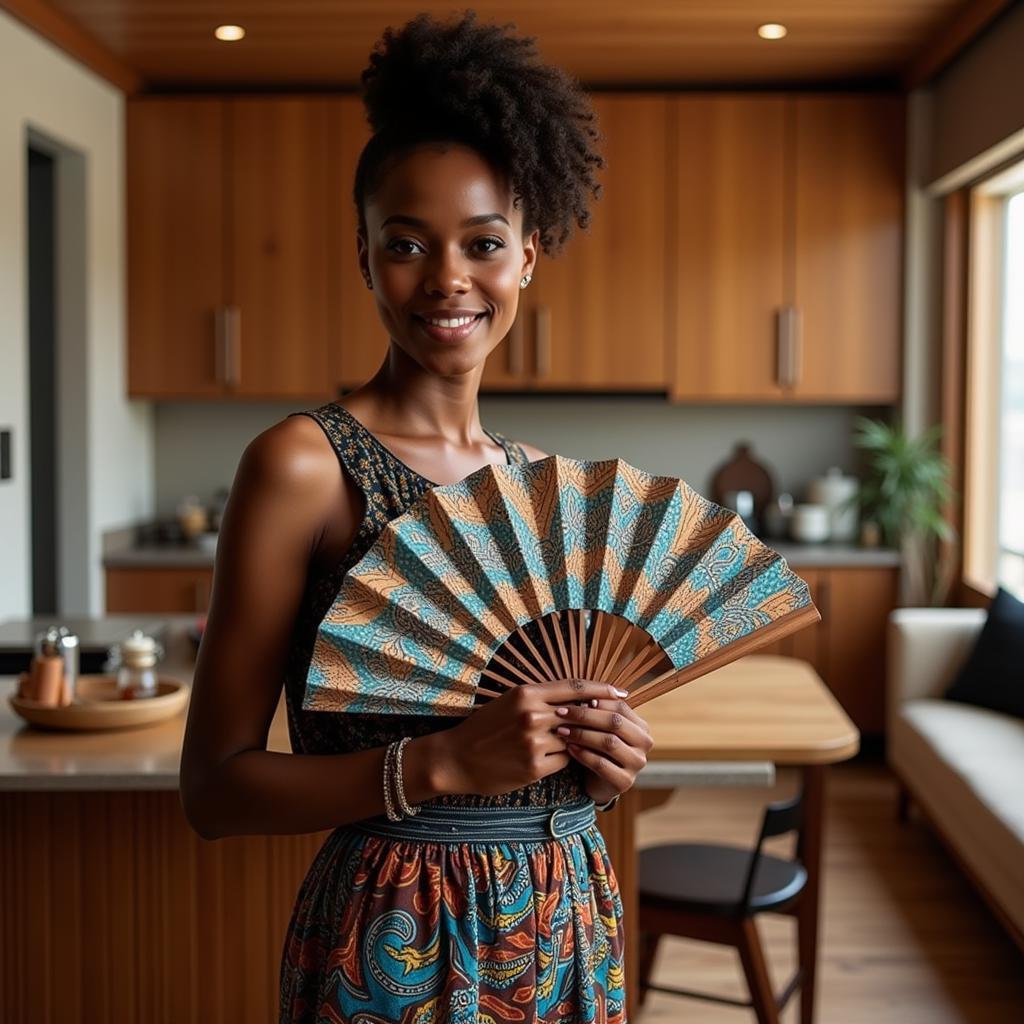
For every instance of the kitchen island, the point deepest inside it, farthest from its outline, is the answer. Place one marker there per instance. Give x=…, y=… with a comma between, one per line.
x=116, y=911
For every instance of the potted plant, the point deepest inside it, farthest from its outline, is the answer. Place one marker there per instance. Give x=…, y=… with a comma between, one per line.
x=904, y=489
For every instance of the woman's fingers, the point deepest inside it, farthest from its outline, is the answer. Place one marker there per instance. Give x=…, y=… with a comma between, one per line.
x=619, y=719
x=565, y=690
x=609, y=745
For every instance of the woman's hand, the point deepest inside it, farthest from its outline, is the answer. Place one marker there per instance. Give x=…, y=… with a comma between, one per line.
x=511, y=741
x=608, y=738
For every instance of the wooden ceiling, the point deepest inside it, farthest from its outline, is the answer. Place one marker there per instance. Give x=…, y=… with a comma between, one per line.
x=169, y=44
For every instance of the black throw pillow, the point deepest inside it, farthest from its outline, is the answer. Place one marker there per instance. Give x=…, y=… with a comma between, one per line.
x=993, y=675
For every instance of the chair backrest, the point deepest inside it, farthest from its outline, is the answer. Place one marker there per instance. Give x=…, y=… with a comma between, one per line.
x=779, y=818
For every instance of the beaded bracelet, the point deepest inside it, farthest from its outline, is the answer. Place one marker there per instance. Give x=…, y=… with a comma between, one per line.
x=399, y=779
x=389, y=768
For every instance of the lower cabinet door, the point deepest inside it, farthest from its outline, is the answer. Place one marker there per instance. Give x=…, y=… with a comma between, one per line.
x=172, y=589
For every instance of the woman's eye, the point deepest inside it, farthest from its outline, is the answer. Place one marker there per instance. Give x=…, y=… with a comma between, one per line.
x=488, y=245
x=404, y=246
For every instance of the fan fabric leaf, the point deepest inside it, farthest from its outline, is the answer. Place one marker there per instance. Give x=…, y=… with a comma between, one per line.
x=417, y=622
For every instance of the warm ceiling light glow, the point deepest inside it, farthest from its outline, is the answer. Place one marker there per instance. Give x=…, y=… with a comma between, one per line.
x=772, y=31
x=229, y=33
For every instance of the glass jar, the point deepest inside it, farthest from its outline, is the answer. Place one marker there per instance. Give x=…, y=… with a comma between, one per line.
x=136, y=673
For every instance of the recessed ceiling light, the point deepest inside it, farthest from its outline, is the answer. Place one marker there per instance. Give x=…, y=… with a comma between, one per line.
x=229, y=33
x=772, y=31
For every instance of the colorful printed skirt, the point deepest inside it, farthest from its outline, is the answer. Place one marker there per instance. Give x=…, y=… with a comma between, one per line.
x=393, y=931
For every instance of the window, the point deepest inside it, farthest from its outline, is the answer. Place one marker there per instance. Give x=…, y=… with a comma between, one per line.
x=994, y=469
x=1010, y=563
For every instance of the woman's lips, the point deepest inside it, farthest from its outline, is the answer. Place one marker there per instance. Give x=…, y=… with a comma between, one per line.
x=449, y=335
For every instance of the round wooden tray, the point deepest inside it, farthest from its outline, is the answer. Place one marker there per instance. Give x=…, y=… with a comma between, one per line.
x=97, y=706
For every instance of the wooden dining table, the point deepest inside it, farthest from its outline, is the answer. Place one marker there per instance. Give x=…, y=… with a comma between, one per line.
x=760, y=708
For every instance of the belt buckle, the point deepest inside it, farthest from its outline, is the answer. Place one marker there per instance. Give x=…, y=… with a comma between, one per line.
x=564, y=815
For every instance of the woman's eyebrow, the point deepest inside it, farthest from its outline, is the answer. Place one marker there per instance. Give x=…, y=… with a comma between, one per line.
x=415, y=222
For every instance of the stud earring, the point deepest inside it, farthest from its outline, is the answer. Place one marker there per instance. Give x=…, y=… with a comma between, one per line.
x=525, y=281
x=369, y=283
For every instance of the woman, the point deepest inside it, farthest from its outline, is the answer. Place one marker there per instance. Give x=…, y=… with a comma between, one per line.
x=481, y=155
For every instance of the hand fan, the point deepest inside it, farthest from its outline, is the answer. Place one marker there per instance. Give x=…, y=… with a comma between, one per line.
x=551, y=570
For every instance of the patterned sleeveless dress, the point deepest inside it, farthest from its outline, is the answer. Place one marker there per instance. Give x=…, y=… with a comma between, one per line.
x=389, y=931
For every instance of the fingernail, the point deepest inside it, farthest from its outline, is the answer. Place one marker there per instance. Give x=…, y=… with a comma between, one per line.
x=563, y=730
x=621, y=693
x=593, y=702
x=562, y=711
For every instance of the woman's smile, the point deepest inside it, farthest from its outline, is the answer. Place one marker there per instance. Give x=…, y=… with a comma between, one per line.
x=449, y=326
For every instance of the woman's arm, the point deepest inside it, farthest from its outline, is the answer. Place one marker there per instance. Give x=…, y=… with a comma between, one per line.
x=287, y=486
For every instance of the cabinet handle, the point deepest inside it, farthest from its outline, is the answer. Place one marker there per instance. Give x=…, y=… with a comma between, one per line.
x=542, y=340
x=232, y=346
x=515, y=347
x=787, y=332
x=220, y=343
x=795, y=355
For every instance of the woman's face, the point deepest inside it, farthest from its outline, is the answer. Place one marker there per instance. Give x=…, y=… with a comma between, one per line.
x=445, y=251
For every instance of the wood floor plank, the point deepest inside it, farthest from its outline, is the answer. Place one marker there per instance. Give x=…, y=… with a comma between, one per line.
x=903, y=935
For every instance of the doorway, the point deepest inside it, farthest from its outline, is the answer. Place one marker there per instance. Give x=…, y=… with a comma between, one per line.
x=57, y=375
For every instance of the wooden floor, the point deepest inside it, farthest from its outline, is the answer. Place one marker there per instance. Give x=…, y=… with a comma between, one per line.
x=905, y=939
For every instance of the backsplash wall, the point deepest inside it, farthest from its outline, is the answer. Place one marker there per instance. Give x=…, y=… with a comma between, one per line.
x=197, y=445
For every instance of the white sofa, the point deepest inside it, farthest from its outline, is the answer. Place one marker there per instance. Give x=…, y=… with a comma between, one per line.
x=963, y=765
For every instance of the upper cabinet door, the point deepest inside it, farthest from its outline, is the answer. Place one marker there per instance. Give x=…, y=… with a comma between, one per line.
x=848, y=203
x=175, y=166
x=280, y=198
x=729, y=231
x=598, y=316
x=359, y=343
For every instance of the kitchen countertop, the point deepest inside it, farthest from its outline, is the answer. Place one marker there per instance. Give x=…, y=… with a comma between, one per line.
x=147, y=758
x=799, y=556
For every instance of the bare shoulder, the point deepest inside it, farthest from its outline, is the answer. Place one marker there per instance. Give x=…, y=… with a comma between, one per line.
x=292, y=457
x=532, y=453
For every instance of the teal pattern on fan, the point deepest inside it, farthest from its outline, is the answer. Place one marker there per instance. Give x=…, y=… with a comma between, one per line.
x=419, y=619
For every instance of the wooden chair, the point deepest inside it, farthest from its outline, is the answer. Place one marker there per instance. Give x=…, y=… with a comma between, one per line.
x=713, y=893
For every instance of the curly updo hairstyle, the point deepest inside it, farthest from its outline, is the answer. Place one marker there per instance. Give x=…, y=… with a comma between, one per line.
x=481, y=86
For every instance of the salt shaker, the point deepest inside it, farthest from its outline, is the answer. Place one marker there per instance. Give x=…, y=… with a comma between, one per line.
x=59, y=642
x=136, y=674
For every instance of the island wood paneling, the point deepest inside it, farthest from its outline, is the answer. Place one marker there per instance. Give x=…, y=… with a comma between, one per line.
x=114, y=910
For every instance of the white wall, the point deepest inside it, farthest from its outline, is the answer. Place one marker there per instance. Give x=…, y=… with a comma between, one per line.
x=44, y=91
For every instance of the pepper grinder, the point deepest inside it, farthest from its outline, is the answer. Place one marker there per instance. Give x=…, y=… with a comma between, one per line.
x=56, y=665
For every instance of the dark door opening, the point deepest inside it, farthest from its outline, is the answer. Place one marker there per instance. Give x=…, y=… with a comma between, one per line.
x=42, y=366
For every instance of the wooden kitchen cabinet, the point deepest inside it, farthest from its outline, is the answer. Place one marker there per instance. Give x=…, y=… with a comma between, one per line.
x=788, y=226
x=847, y=247
x=595, y=317
x=164, y=589
x=175, y=167
x=730, y=238
x=229, y=217
x=847, y=648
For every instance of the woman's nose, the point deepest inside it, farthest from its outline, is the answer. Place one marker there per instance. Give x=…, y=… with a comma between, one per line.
x=447, y=273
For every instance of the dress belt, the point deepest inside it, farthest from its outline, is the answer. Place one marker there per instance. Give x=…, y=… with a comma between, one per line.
x=441, y=824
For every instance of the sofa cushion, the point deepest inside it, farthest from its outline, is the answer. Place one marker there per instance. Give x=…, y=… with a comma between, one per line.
x=986, y=748
x=993, y=675
x=941, y=750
